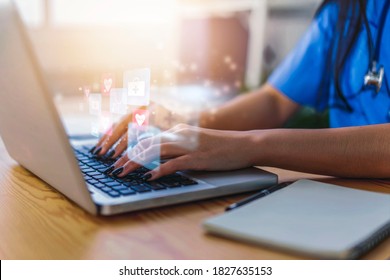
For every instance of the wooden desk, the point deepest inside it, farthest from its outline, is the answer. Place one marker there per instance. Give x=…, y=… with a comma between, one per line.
x=37, y=222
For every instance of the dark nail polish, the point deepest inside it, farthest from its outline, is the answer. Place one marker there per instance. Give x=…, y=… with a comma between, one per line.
x=91, y=150
x=109, y=169
x=146, y=176
x=97, y=151
x=110, y=154
x=117, y=171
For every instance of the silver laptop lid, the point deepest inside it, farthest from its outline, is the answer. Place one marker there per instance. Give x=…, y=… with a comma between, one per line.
x=29, y=124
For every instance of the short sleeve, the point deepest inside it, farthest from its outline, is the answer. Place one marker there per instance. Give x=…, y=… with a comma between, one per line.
x=300, y=74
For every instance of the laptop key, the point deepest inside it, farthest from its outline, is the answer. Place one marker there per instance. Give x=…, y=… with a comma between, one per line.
x=156, y=186
x=140, y=189
x=172, y=177
x=127, y=192
x=120, y=180
x=126, y=179
x=174, y=185
x=100, y=167
x=142, y=169
x=106, y=161
x=189, y=183
x=93, y=181
x=113, y=194
x=107, y=180
x=106, y=189
x=81, y=157
x=87, y=170
x=120, y=187
x=86, y=148
x=113, y=184
x=99, y=185
x=93, y=163
x=170, y=184
x=94, y=173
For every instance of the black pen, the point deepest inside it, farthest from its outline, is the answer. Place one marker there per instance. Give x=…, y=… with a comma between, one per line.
x=258, y=195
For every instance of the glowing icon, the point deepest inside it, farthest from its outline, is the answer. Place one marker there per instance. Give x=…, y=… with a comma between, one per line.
x=95, y=103
x=136, y=87
x=118, y=101
x=105, y=123
x=108, y=82
x=137, y=83
x=141, y=117
x=95, y=129
x=102, y=125
x=86, y=91
x=227, y=59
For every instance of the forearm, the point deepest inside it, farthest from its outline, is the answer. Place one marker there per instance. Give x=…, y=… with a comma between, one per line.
x=262, y=109
x=344, y=152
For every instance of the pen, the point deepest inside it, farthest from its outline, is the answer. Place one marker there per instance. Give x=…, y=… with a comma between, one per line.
x=258, y=195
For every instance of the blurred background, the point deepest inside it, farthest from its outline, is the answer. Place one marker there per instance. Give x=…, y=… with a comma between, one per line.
x=229, y=45
x=235, y=43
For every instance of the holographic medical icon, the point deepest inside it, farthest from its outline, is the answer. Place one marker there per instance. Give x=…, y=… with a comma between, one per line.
x=108, y=82
x=86, y=91
x=136, y=87
x=102, y=125
x=137, y=83
x=95, y=104
x=105, y=123
x=95, y=129
x=118, y=101
x=141, y=117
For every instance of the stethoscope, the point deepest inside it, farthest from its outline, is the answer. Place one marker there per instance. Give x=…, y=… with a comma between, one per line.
x=376, y=72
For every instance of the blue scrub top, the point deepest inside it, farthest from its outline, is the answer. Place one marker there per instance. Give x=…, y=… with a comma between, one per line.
x=300, y=75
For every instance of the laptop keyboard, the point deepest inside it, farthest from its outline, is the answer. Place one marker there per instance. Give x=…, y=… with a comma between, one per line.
x=93, y=167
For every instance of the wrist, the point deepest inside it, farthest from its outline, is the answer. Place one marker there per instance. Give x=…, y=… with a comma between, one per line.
x=258, y=143
x=207, y=119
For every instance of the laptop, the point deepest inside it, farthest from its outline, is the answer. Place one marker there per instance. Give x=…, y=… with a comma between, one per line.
x=35, y=137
